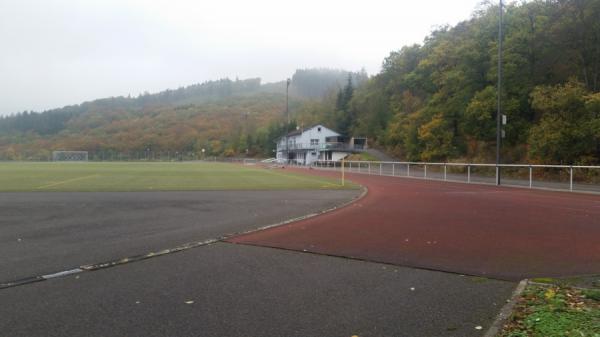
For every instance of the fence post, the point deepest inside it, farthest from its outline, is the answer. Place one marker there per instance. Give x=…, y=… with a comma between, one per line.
x=530, y=176
x=343, y=177
x=408, y=170
x=393, y=170
x=468, y=173
x=444, y=172
x=425, y=176
x=497, y=171
x=380, y=169
x=571, y=178
x=369, y=167
x=359, y=165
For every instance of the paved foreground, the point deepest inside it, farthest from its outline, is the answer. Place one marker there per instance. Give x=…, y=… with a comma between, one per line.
x=233, y=290
x=219, y=289
x=43, y=233
x=499, y=232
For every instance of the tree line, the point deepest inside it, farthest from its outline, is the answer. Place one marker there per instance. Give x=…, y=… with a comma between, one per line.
x=224, y=117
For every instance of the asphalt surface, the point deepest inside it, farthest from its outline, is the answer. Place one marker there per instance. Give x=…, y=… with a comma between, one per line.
x=499, y=232
x=253, y=291
x=43, y=233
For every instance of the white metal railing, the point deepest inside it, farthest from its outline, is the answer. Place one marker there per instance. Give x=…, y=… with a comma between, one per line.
x=320, y=146
x=297, y=146
x=565, y=177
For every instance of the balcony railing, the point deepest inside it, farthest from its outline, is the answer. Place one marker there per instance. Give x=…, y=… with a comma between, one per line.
x=320, y=147
x=297, y=146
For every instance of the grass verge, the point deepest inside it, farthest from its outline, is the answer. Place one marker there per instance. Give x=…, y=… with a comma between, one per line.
x=362, y=156
x=555, y=311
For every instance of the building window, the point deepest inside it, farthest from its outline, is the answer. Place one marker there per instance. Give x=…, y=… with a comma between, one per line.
x=319, y=129
x=314, y=142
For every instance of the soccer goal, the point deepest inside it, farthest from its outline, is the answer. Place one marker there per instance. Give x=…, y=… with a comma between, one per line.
x=69, y=156
x=250, y=161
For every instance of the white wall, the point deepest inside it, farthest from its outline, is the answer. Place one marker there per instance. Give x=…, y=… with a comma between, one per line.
x=314, y=133
x=310, y=158
x=307, y=135
x=337, y=156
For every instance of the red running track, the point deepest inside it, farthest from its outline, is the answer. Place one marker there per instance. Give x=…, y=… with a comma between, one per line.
x=498, y=232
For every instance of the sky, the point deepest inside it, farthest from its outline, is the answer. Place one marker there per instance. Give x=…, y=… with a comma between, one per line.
x=61, y=52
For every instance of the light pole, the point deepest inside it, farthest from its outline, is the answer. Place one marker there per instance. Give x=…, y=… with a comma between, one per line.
x=287, y=113
x=499, y=112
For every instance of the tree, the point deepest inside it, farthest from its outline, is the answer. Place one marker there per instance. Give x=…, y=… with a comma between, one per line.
x=569, y=128
x=343, y=113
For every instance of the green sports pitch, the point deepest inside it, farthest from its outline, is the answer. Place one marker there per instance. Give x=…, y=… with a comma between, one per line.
x=152, y=176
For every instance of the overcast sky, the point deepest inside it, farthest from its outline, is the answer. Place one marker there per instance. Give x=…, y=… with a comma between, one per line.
x=60, y=52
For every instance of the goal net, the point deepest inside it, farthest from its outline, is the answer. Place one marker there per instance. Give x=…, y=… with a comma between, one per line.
x=69, y=156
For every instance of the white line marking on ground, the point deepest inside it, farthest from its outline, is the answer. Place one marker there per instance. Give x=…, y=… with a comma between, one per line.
x=62, y=273
x=67, y=181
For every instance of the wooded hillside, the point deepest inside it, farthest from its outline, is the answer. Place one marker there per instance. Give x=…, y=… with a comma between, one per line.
x=223, y=117
x=437, y=101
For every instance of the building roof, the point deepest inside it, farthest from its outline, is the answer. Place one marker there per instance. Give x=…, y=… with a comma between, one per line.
x=295, y=133
x=301, y=131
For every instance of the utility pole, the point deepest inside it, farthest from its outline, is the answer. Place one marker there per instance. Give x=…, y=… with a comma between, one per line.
x=287, y=113
x=499, y=112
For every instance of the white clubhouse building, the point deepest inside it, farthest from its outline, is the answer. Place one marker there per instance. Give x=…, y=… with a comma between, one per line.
x=305, y=146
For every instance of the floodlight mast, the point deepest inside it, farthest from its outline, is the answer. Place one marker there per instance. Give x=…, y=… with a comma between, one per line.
x=499, y=90
x=287, y=126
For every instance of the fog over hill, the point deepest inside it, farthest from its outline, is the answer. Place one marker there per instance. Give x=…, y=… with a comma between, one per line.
x=222, y=115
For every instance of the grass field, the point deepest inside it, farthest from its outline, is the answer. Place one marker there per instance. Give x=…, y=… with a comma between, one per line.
x=186, y=176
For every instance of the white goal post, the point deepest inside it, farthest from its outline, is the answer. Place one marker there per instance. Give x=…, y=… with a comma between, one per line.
x=69, y=156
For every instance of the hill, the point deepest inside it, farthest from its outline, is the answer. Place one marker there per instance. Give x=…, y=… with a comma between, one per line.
x=224, y=117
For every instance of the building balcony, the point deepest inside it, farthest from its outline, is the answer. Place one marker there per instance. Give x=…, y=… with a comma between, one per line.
x=329, y=146
x=297, y=146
